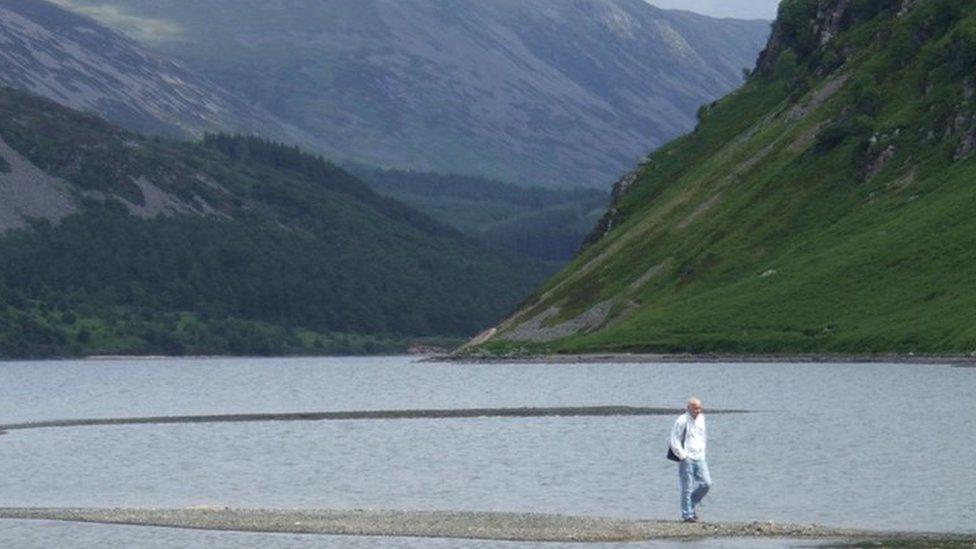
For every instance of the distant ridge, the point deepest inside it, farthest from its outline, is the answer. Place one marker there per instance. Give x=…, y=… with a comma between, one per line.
x=115, y=243
x=548, y=91
x=81, y=64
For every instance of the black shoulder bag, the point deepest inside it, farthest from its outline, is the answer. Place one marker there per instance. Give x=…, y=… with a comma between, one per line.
x=684, y=437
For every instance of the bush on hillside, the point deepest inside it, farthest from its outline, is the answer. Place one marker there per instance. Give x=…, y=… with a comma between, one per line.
x=845, y=129
x=927, y=22
x=961, y=54
x=796, y=23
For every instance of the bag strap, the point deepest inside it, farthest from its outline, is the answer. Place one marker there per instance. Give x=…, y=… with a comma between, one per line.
x=684, y=435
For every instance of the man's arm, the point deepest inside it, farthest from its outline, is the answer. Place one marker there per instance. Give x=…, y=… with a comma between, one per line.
x=677, y=434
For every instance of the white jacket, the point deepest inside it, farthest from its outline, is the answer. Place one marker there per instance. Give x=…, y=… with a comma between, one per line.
x=688, y=437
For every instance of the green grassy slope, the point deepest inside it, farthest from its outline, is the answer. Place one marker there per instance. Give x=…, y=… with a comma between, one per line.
x=827, y=206
x=268, y=250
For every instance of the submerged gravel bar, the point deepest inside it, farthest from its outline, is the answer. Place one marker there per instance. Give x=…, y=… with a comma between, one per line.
x=574, y=411
x=452, y=524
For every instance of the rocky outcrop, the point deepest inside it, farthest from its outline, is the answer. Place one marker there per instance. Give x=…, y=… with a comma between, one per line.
x=609, y=219
x=905, y=6
x=965, y=126
x=832, y=18
x=27, y=192
x=815, y=27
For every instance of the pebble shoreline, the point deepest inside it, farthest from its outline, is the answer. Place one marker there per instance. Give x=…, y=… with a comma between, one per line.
x=455, y=524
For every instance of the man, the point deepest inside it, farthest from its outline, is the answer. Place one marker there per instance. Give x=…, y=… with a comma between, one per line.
x=688, y=444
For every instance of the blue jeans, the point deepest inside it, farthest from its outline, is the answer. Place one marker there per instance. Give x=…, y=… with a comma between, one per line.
x=695, y=481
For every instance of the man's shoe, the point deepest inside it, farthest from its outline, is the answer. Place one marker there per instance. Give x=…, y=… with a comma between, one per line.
x=690, y=519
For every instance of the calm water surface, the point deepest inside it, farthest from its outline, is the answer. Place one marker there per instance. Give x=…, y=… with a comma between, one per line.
x=871, y=445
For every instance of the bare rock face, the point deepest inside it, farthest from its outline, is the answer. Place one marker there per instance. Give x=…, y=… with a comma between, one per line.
x=80, y=64
x=27, y=192
x=881, y=160
x=965, y=126
x=609, y=219
x=830, y=19
x=906, y=5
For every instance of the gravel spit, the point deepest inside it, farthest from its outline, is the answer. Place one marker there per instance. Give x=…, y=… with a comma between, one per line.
x=453, y=524
x=591, y=411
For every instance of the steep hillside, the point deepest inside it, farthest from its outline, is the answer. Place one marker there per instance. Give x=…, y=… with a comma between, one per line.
x=73, y=60
x=826, y=206
x=116, y=243
x=550, y=91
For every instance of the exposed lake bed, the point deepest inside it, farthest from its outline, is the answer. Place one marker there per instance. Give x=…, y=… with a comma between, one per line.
x=468, y=525
x=832, y=444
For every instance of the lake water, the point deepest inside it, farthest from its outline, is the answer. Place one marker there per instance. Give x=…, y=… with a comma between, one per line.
x=886, y=446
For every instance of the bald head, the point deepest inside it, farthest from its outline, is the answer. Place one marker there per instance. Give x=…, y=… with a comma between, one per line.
x=694, y=406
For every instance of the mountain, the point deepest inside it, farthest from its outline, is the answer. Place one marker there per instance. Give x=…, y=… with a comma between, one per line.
x=551, y=91
x=547, y=224
x=73, y=60
x=739, y=9
x=827, y=206
x=117, y=243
